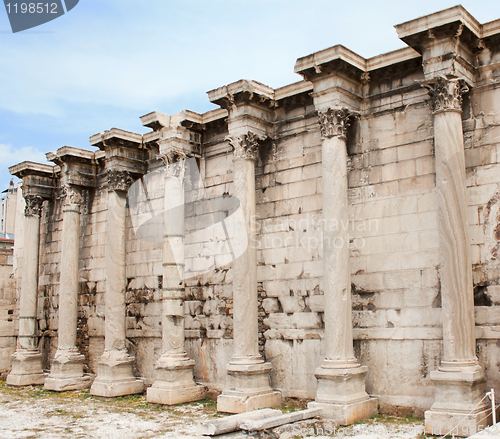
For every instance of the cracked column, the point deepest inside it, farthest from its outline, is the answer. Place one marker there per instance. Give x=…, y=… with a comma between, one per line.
x=338, y=90
x=27, y=360
x=460, y=382
x=449, y=42
x=248, y=382
x=115, y=375
x=66, y=372
x=174, y=379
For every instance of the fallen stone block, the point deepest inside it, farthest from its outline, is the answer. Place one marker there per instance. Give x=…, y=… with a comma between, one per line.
x=232, y=423
x=276, y=421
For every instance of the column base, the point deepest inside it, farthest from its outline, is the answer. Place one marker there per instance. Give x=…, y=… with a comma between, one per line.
x=26, y=368
x=247, y=389
x=115, y=376
x=346, y=414
x=66, y=372
x=458, y=393
x=65, y=384
x=174, y=383
x=341, y=393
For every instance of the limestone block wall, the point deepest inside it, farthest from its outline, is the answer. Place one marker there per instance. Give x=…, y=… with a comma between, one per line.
x=481, y=130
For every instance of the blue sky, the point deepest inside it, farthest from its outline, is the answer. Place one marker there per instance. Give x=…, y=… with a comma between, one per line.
x=108, y=62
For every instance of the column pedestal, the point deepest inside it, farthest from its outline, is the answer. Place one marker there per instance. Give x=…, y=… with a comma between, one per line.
x=247, y=389
x=26, y=368
x=457, y=395
x=66, y=372
x=115, y=376
x=174, y=383
x=341, y=395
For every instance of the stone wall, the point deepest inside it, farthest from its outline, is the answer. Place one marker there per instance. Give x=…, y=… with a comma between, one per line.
x=393, y=229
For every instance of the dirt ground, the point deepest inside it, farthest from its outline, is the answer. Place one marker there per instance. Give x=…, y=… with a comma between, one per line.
x=33, y=412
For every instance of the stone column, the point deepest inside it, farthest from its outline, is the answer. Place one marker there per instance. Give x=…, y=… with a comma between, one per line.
x=115, y=376
x=27, y=360
x=67, y=368
x=247, y=383
x=174, y=381
x=459, y=382
x=341, y=380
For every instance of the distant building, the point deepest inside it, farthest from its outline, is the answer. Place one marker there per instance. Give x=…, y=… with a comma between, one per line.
x=8, y=203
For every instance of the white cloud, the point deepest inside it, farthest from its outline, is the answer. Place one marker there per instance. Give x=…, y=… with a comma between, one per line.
x=10, y=156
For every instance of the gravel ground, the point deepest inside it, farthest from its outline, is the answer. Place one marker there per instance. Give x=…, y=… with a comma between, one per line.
x=33, y=412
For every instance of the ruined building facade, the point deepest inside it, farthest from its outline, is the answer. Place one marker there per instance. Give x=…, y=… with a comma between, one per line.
x=336, y=239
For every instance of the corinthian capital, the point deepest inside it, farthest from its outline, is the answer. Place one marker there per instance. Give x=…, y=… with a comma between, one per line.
x=333, y=123
x=245, y=146
x=446, y=94
x=72, y=195
x=175, y=162
x=119, y=180
x=33, y=205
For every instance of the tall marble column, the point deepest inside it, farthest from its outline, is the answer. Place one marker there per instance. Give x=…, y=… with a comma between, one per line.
x=341, y=379
x=459, y=382
x=27, y=360
x=174, y=381
x=67, y=368
x=115, y=369
x=247, y=382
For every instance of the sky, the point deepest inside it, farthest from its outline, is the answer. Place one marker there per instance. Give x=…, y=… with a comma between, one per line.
x=108, y=62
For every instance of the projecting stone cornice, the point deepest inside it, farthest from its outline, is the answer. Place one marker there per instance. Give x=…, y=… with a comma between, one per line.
x=178, y=132
x=26, y=168
x=38, y=179
x=78, y=166
x=334, y=59
x=342, y=62
x=116, y=137
x=69, y=153
x=450, y=41
x=124, y=151
x=243, y=91
x=415, y=32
